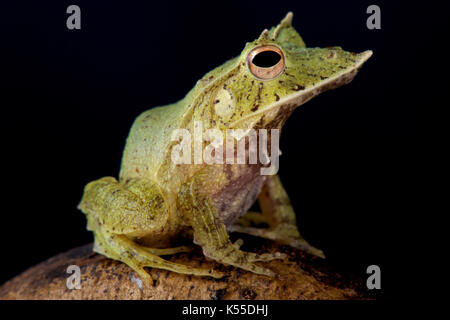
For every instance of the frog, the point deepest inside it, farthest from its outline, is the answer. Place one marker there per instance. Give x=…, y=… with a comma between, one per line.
x=158, y=207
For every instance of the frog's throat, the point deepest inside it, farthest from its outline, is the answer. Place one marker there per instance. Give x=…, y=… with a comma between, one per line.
x=341, y=78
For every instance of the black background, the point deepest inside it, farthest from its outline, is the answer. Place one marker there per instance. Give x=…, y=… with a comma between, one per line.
x=350, y=159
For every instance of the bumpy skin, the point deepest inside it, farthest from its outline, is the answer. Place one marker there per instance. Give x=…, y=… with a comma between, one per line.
x=155, y=202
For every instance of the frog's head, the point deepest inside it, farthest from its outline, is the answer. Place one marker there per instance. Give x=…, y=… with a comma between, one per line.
x=273, y=75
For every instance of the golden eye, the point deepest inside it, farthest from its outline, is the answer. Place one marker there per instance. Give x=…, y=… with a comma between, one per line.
x=266, y=62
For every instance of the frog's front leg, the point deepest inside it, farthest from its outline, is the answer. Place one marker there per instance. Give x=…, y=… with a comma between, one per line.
x=278, y=213
x=210, y=232
x=119, y=212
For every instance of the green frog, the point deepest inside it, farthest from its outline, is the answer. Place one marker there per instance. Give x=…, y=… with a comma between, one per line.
x=157, y=203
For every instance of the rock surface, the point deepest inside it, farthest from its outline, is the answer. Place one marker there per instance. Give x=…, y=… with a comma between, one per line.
x=300, y=276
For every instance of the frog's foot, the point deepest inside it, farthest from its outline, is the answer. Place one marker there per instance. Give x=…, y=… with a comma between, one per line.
x=137, y=257
x=279, y=217
x=230, y=255
x=259, y=257
x=209, y=230
x=282, y=234
x=222, y=250
x=115, y=210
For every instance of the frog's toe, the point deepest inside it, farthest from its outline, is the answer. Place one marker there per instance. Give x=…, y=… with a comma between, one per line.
x=238, y=243
x=142, y=273
x=168, y=251
x=258, y=269
x=259, y=257
x=151, y=262
x=282, y=235
x=266, y=256
x=216, y=274
x=244, y=260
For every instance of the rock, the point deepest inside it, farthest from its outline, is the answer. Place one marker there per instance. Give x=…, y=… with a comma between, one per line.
x=300, y=276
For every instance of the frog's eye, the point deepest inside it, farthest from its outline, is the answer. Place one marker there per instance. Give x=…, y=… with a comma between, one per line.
x=266, y=62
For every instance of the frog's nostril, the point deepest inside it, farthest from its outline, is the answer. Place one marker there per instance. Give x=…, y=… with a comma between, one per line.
x=266, y=59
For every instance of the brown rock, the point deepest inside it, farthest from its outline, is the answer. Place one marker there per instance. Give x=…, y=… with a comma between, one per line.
x=300, y=276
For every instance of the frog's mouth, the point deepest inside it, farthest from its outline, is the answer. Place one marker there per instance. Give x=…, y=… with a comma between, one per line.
x=293, y=101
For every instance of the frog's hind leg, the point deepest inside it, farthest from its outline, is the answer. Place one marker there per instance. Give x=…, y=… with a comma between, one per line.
x=210, y=232
x=279, y=215
x=137, y=257
x=118, y=212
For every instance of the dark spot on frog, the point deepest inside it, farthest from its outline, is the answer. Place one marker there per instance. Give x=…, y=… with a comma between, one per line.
x=258, y=98
x=260, y=123
x=298, y=87
x=288, y=74
x=277, y=97
x=247, y=294
x=216, y=101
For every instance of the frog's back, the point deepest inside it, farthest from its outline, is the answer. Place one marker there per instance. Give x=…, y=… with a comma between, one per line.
x=149, y=139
